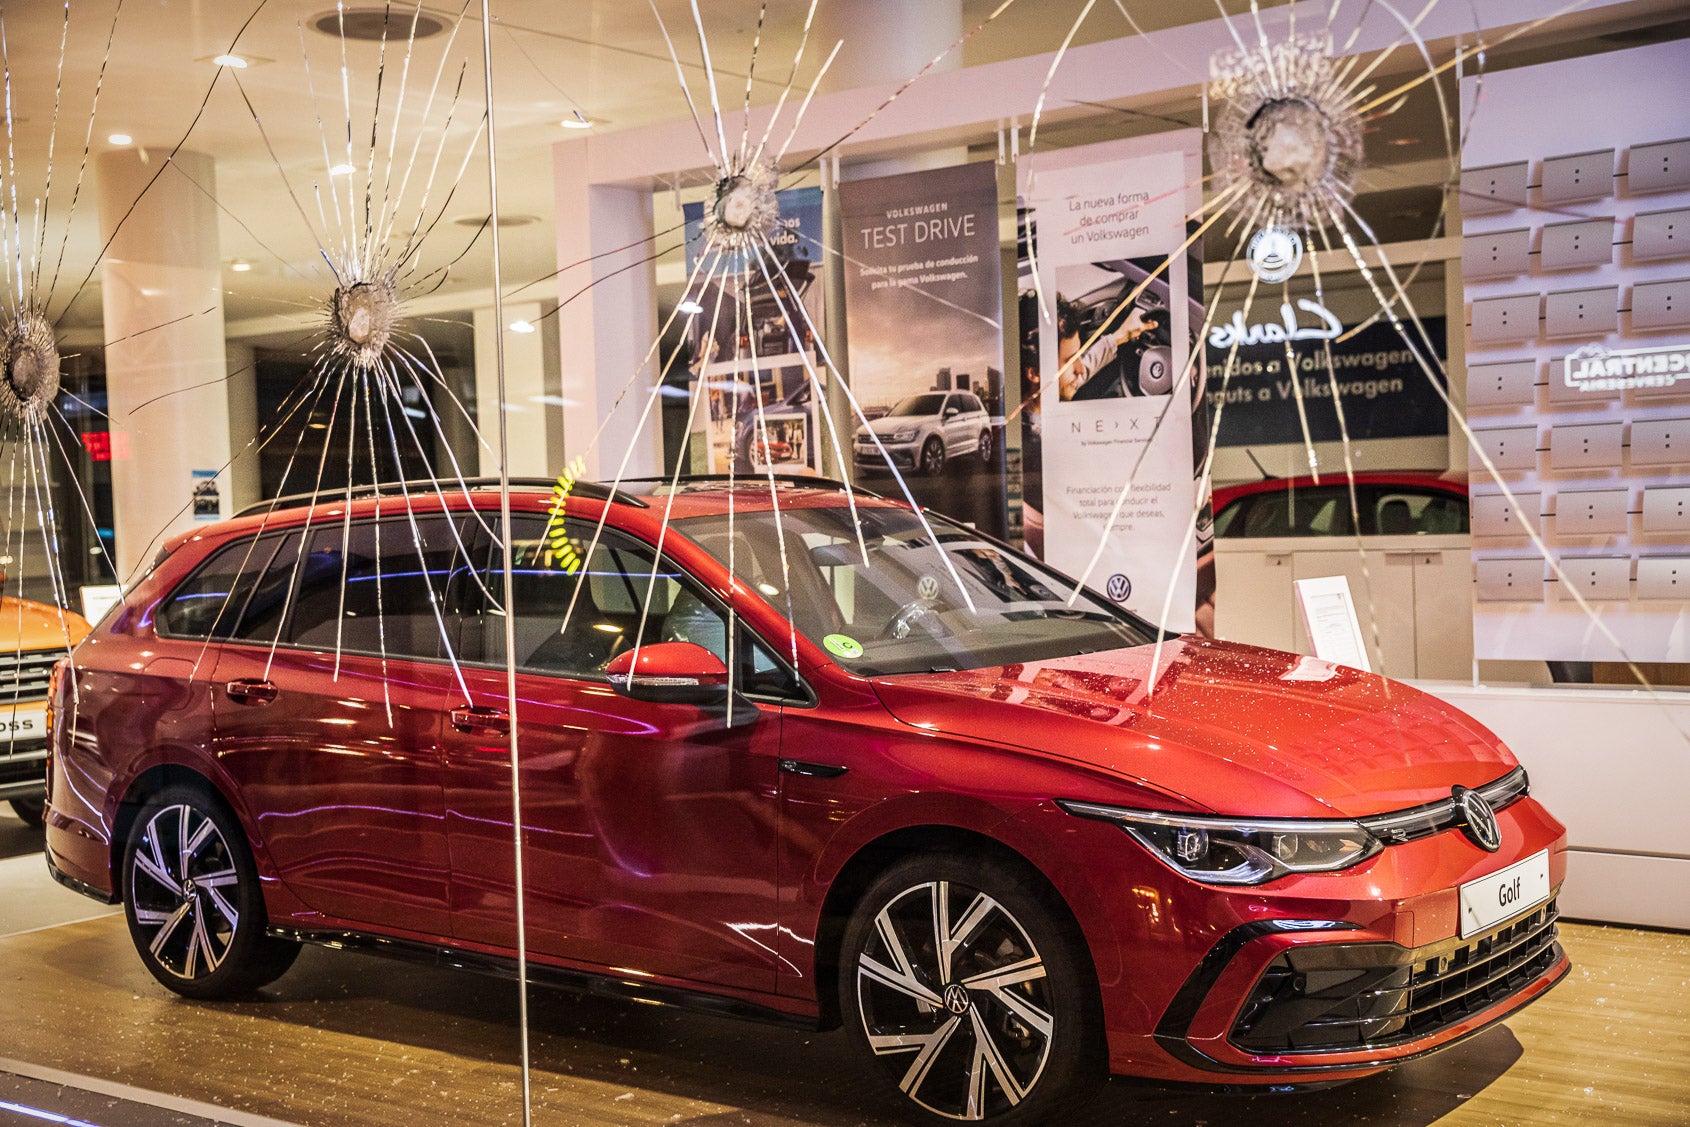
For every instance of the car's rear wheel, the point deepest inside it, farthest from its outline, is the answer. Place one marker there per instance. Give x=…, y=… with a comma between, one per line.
x=31, y=811
x=933, y=456
x=968, y=996
x=192, y=897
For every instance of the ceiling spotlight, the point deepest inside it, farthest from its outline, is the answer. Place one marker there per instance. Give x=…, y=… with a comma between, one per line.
x=342, y=170
x=689, y=307
x=121, y=139
x=522, y=326
x=577, y=120
x=240, y=266
x=234, y=61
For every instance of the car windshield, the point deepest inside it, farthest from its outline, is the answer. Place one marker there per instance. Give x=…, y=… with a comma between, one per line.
x=902, y=610
x=917, y=405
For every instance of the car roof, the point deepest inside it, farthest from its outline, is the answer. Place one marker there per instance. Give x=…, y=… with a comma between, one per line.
x=645, y=502
x=1455, y=485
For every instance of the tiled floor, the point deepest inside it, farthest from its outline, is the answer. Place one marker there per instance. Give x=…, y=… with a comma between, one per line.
x=350, y=1039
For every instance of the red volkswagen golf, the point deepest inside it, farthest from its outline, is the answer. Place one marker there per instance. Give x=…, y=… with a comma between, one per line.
x=803, y=755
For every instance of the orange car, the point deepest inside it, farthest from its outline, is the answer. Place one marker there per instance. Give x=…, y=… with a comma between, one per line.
x=32, y=637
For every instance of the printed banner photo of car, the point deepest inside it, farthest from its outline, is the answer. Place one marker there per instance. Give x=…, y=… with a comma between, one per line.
x=924, y=432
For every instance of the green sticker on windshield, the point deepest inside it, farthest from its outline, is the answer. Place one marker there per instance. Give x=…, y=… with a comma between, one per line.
x=843, y=645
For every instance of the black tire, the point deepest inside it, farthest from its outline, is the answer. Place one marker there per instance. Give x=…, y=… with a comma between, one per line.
x=985, y=447
x=192, y=898
x=923, y=1035
x=32, y=812
x=933, y=456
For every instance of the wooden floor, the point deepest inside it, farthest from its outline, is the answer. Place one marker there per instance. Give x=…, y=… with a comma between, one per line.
x=349, y=1039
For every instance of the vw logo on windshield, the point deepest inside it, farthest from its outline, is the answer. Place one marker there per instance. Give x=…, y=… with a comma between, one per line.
x=1118, y=588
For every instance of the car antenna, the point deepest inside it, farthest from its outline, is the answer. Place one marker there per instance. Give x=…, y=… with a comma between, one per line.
x=1261, y=469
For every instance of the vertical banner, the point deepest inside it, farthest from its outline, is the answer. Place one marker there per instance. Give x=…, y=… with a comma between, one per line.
x=925, y=338
x=748, y=359
x=1118, y=302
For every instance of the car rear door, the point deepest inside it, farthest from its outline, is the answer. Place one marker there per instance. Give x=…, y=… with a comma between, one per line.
x=332, y=733
x=650, y=828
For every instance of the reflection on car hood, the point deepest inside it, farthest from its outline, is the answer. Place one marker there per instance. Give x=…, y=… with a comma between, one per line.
x=1234, y=729
x=886, y=424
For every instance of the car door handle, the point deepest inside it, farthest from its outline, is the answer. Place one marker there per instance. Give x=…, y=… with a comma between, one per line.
x=250, y=690
x=473, y=719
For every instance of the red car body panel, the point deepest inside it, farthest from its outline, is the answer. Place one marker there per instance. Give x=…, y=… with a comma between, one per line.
x=666, y=848
x=1454, y=484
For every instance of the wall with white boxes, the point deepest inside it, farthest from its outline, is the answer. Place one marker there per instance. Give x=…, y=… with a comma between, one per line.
x=1576, y=239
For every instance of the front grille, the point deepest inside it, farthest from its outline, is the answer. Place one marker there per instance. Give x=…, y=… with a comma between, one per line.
x=23, y=676
x=1343, y=997
x=1435, y=817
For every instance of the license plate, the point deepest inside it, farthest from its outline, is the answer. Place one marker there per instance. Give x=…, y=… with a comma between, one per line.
x=27, y=722
x=1489, y=901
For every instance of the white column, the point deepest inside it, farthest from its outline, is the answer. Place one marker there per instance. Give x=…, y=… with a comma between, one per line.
x=162, y=289
x=604, y=334
x=526, y=396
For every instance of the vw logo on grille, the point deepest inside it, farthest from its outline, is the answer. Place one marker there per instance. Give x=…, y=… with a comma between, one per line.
x=1478, y=820
x=956, y=998
x=1118, y=587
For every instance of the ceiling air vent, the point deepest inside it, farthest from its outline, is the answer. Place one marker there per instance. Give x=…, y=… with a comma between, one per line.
x=375, y=24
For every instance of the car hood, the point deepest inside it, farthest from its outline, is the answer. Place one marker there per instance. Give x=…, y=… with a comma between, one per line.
x=1233, y=729
x=886, y=424
x=27, y=625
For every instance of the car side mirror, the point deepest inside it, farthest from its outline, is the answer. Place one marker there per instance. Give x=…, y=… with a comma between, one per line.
x=678, y=673
x=952, y=412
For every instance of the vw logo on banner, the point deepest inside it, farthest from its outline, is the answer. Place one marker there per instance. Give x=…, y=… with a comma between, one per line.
x=1119, y=588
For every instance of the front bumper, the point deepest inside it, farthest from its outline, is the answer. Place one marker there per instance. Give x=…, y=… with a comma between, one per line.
x=1321, y=1008
x=1191, y=974
x=23, y=769
x=900, y=454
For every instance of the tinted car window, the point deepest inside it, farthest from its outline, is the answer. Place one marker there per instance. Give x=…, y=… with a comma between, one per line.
x=1407, y=512
x=918, y=405
x=1321, y=510
x=239, y=593
x=969, y=402
x=390, y=593
x=611, y=591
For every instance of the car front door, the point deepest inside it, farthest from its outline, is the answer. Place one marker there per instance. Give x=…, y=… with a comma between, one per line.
x=649, y=829
x=332, y=734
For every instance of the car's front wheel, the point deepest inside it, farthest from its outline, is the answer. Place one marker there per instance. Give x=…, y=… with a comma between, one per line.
x=192, y=897
x=933, y=456
x=31, y=811
x=986, y=447
x=969, y=996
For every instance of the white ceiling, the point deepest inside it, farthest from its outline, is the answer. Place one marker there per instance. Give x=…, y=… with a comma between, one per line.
x=550, y=57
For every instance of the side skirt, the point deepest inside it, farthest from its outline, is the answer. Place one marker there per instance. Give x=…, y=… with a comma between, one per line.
x=541, y=974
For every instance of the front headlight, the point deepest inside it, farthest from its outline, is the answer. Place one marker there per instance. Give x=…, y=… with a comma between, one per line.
x=1239, y=850
x=903, y=434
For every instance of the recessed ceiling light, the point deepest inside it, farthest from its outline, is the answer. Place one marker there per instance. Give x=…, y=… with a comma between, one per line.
x=234, y=61
x=1400, y=141
x=577, y=120
x=522, y=326
x=506, y=219
x=689, y=307
x=342, y=170
x=121, y=139
x=240, y=266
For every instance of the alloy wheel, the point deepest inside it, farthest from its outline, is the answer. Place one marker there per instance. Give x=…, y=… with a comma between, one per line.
x=955, y=1001
x=933, y=456
x=183, y=878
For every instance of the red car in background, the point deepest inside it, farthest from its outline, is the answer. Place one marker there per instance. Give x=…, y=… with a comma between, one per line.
x=1390, y=503
x=904, y=786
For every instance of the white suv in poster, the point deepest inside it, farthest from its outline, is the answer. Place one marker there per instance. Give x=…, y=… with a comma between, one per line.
x=923, y=432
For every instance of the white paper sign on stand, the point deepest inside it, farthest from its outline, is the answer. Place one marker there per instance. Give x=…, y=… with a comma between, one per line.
x=1329, y=617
